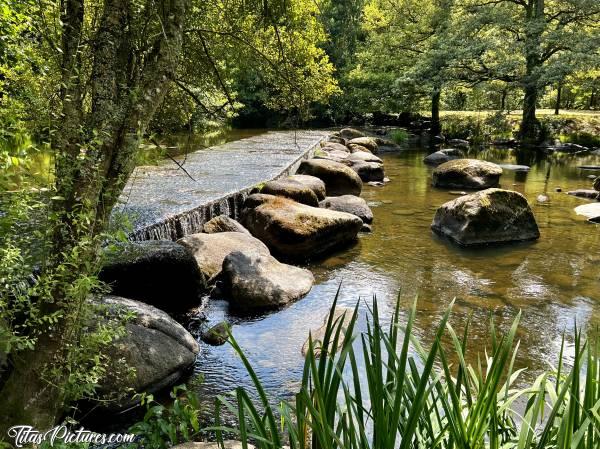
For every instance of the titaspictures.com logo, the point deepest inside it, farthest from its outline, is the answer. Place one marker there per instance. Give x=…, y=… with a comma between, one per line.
x=23, y=435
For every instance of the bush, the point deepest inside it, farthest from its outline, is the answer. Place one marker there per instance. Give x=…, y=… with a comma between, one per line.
x=399, y=136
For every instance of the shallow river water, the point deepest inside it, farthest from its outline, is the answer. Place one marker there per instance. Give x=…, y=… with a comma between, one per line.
x=553, y=281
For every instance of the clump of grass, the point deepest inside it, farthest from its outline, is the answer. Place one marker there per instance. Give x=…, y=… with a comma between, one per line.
x=406, y=396
x=399, y=136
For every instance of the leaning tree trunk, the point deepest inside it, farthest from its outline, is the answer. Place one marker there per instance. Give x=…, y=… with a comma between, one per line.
x=124, y=96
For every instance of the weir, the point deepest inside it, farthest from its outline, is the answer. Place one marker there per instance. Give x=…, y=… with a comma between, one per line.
x=164, y=203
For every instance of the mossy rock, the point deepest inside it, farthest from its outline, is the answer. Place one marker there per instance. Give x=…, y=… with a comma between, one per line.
x=466, y=174
x=488, y=216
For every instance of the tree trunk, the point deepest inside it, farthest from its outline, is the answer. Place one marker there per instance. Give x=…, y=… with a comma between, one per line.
x=529, y=132
x=503, y=100
x=557, y=104
x=436, y=126
x=124, y=96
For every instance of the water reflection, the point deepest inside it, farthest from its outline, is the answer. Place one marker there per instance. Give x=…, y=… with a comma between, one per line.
x=552, y=281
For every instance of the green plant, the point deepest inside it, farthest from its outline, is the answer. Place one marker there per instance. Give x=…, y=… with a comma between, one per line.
x=164, y=426
x=399, y=136
x=407, y=396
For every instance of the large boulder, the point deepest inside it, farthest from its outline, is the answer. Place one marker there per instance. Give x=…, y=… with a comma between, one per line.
x=223, y=223
x=156, y=346
x=210, y=250
x=488, y=216
x=297, y=232
x=256, y=281
x=366, y=142
x=339, y=179
x=441, y=156
x=466, y=174
x=351, y=133
x=354, y=147
x=157, y=272
x=312, y=182
x=363, y=156
x=351, y=204
x=336, y=139
x=368, y=171
x=291, y=189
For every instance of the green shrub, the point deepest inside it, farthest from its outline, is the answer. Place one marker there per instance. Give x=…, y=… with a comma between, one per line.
x=399, y=136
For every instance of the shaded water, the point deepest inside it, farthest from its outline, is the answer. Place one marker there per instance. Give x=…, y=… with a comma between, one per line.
x=554, y=281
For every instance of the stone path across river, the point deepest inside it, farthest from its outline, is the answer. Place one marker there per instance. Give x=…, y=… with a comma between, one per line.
x=162, y=202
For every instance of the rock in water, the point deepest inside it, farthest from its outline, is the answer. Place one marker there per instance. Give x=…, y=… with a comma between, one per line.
x=351, y=133
x=158, y=347
x=489, y=216
x=257, y=281
x=332, y=146
x=591, y=211
x=363, y=156
x=217, y=335
x=597, y=184
x=223, y=223
x=339, y=179
x=584, y=193
x=351, y=204
x=366, y=142
x=157, y=272
x=297, y=232
x=459, y=143
x=291, y=189
x=368, y=171
x=210, y=250
x=312, y=182
x=441, y=156
x=514, y=167
x=466, y=174
x=354, y=148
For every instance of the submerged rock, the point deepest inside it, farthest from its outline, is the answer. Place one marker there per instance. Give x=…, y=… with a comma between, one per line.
x=257, y=281
x=291, y=189
x=514, y=167
x=366, y=142
x=441, y=156
x=158, y=347
x=339, y=179
x=584, y=193
x=341, y=317
x=157, y=272
x=466, y=174
x=351, y=204
x=223, y=223
x=210, y=250
x=489, y=216
x=217, y=335
x=296, y=232
x=351, y=133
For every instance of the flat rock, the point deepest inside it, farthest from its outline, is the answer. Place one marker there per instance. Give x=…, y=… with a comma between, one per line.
x=257, y=281
x=351, y=204
x=590, y=210
x=466, y=174
x=292, y=189
x=339, y=179
x=158, y=347
x=441, y=156
x=157, y=272
x=296, y=231
x=514, y=167
x=210, y=250
x=488, y=216
x=223, y=223
x=341, y=317
x=584, y=193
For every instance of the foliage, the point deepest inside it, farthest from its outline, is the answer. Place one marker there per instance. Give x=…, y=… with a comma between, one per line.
x=407, y=396
x=399, y=136
x=162, y=426
x=477, y=129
